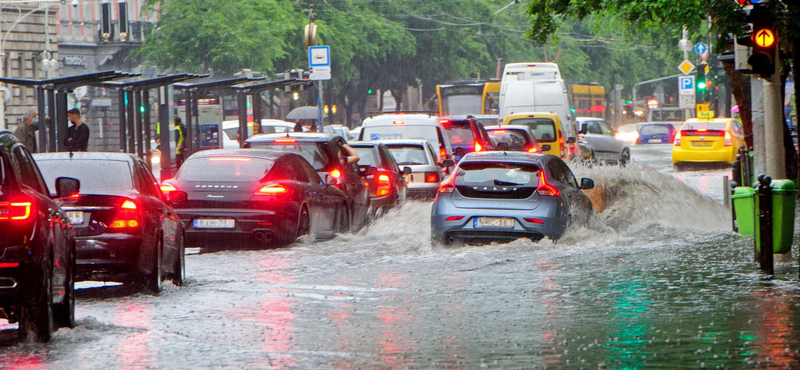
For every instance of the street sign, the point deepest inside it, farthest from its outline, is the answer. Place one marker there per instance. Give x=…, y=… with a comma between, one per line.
x=320, y=73
x=700, y=48
x=652, y=103
x=704, y=56
x=687, y=101
x=686, y=67
x=764, y=37
x=319, y=56
x=686, y=85
x=704, y=111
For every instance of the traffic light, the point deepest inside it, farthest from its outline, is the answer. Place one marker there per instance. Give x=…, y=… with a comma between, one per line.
x=369, y=91
x=763, y=39
x=142, y=109
x=700, y=83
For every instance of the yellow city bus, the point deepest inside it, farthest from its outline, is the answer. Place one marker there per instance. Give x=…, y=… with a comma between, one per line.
x=491, y=97
x=589, y=99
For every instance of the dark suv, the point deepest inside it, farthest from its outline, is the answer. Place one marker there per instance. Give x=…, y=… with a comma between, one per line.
x=37, y=246
x=466, y=135
x=322, y=152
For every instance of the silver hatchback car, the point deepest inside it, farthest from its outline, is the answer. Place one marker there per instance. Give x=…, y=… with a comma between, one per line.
x=503, y=196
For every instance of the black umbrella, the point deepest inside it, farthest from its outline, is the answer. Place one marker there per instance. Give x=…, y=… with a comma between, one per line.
x=308, y=112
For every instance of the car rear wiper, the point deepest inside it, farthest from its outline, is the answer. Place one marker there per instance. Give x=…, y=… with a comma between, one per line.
x=507, y=183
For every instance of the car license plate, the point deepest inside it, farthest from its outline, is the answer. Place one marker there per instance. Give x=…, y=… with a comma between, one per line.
x=214, y=223
x=702, y=143
x=655, y=140
x=76, y=217
x=499, y=222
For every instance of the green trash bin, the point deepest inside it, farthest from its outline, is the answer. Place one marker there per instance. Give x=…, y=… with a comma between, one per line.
x=784, y=194
x=743, y=205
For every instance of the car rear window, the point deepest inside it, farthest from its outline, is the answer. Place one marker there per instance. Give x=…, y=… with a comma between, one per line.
x=401, y=131
x=231, y=132
x=456, y=105
x=459, y=133
x=543, y=129
x=497, y=174
x=705, y=125
x=408, y=154
x=655, y=130
x=233, y=168
x=97, y=176
x=312, y=152
x=516, y=139
x=366, y=156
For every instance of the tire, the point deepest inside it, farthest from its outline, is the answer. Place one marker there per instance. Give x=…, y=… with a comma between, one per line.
x=179, y=276
x=154, y=278
x=64, y=314
x=36, y=322
x=343, y=220
x=625, y=158
x=304, y=223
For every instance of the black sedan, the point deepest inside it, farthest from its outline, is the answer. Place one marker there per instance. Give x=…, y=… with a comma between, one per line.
x=326, y=154
x=37, y=258
x=125, y=229
x=266, y=196
x=387, y=184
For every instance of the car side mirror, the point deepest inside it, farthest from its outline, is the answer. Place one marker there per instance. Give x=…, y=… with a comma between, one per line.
x=571, y=140
x=459, y=152
x=546, y=147
x=407, y=170
x=502, y=146
x=447, y=163
x=587, y=183
x=583, y=130
x=67, y=186
x=329, y=180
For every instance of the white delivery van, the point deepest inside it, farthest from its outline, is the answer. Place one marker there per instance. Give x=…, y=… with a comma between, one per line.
x=539, y=96
x=531, y=71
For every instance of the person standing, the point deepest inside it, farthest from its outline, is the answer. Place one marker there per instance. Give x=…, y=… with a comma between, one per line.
x=26, y=129
x=78, y=133
x=180, y=144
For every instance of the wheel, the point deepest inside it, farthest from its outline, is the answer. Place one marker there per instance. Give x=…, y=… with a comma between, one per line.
x=179, y=276
x=64, y=313
x=154, y=278
x=625, y=158
x=36, y=322
x=343, y=220
x=304, y=223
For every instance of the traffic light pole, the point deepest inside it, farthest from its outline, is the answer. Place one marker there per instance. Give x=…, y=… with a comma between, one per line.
x=773, y=122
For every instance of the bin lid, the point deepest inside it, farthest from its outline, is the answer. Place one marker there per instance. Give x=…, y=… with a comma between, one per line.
x=783, y=186
x=743, y=192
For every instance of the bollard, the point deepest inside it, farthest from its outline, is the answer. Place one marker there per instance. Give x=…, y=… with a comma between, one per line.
x=764, y=195
x=730, y=191
x=736, y=173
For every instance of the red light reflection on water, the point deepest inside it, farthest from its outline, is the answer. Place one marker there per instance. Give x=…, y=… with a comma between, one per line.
x=275, y=311
x=134, y=353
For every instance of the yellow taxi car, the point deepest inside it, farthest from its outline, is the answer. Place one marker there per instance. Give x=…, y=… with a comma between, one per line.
x=713, y=140
x=548, y=131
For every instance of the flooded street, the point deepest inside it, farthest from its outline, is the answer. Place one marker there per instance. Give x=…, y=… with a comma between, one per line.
x=658, y=280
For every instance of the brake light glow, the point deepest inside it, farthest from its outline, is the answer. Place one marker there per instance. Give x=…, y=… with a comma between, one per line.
x=727, y=138
x=678, y=139
x=533, y=150
x=285, y=141
x=499, y=131
x=336, y=174
x=128, y=216
x=432, y=177
x=454, y=218
x=444, y=121
x=15, y=211
x=272, y=189
x=442, y=153
x=229, y=159
x=128, y=205
x=702, y=129
x=383, y=178
x=478, y=147
x=168, y=188
x=384, y=186
x=534, y=220
x=544, y=189
x=398, y=122
x=6, y=265
x=122, y=224
x=448, y=187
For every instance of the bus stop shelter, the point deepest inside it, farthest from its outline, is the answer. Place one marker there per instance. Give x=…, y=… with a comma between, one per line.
x=243, y=91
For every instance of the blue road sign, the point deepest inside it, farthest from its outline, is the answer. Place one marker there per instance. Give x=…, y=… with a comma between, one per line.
x=319, y=56
x=700, y=48
x=687, y=83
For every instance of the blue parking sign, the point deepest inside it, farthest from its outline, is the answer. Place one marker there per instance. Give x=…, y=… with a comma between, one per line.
x=686, y=83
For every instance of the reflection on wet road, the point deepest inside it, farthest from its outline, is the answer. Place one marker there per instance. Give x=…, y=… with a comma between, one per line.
x=657, y=281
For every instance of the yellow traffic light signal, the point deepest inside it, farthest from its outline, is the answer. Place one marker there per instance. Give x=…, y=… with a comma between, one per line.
x=764, y=37
x=325, y=108
x=333, y=109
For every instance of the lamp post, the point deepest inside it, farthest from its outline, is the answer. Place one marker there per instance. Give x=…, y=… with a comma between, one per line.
x=43, y=4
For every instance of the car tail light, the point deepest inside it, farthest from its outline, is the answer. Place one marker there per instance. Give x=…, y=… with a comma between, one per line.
x=384, y=186
x=443, y=153
x=128, y=216
x=8, y=265
x=448, y=187
x=534, y=220
x=398, y=122
x=454, y=218
x=15, y=211
x=285, y=141
x=677, y=139
x=444, y=121
x=544, y=189
x=478, y=147
x=727, y=139
x=336, y=174
x=499, y=131
x=432, y=177
x=168, y=188
x=533, y=150
x=272, y=189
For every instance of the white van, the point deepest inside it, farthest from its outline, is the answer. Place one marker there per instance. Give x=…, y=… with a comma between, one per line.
x=407, y=126
x=538, y=96
x=531, y=71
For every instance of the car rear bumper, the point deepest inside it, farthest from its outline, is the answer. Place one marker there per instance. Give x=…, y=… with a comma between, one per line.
x=247, y=224
x=725, y=155
x=467, y=228
x=105, y=256
x=14, y=281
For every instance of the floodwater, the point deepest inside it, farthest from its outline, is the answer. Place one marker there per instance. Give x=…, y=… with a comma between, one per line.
x=657, y=281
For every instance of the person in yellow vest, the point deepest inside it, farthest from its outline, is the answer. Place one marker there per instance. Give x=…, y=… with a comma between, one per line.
x=180, y=144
